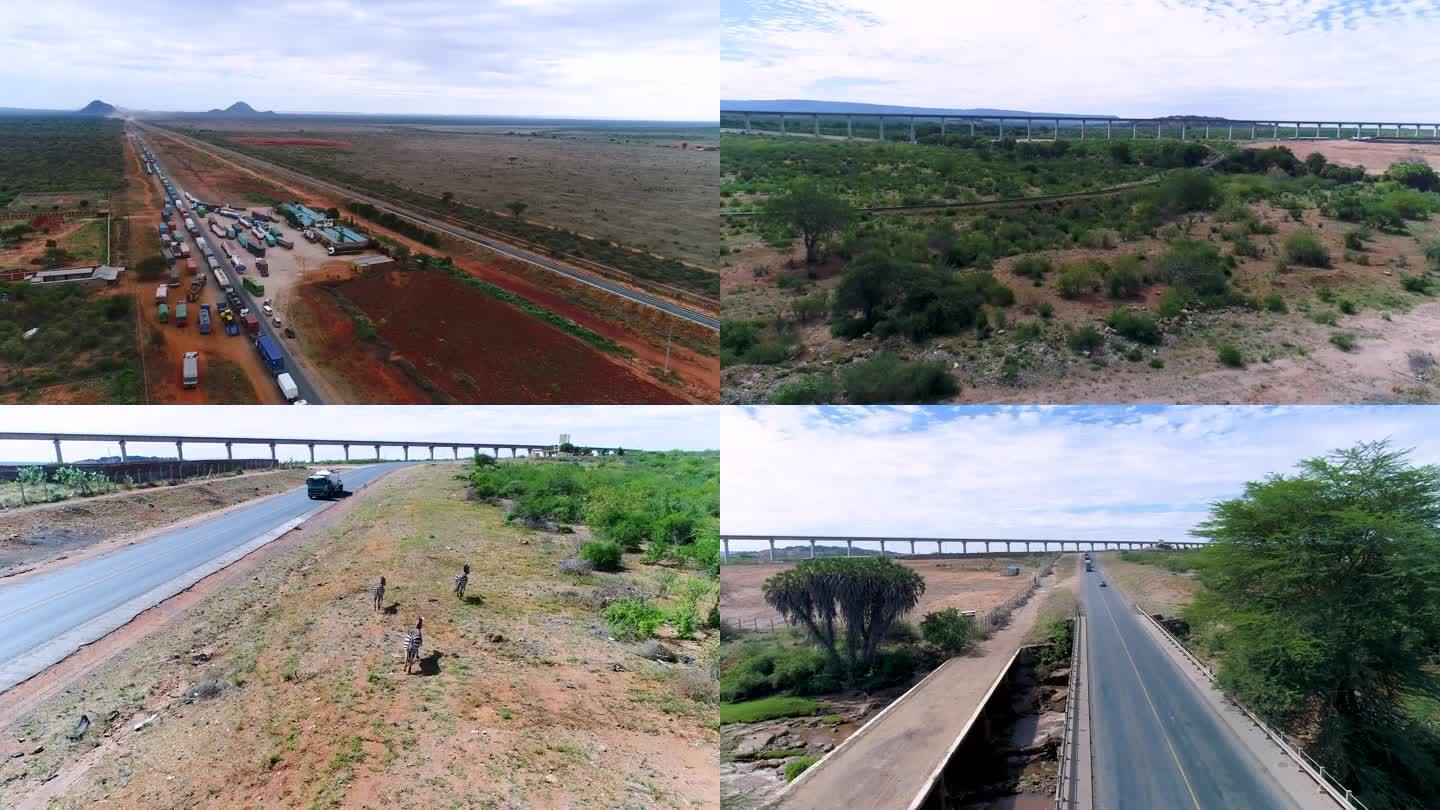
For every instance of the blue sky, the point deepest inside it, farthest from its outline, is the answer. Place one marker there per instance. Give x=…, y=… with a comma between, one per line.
x=1242, y=58
x=651, y=59
x=658, y=427
x=1081, y=472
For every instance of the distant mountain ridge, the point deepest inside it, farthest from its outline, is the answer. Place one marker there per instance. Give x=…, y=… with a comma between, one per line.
x=238, y=110
x=97, y=107
x=811, y=106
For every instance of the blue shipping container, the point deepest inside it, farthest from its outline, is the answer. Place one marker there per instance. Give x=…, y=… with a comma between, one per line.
x=270, y=354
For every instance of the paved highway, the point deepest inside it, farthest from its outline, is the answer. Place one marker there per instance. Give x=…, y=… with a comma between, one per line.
x=1155, y=741
x=47, y=617
x=499, y=247
x=302, y=383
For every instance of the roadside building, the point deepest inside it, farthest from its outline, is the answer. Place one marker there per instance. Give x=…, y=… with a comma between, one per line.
x=342, y=239
x=371, y=262
x=101, y=273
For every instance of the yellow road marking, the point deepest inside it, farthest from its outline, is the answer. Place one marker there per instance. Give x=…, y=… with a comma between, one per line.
x=1153, y=710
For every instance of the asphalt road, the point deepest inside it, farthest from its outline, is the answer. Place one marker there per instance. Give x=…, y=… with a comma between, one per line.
x=302, y=383
x=46, y=617
x=1155, y=741
x=499, y=247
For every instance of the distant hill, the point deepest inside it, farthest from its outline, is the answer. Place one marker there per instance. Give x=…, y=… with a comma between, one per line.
x=808, y=106
x=239, y=110
x=97, y=107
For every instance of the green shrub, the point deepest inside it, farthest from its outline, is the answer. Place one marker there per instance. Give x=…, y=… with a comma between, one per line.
x=950, y=631
x=1032, y=267
x=1354, y=241
x=794, y=769
x=1274, y=303
x=1135, y=355
x=811, y=389
x=1243, y=246
x=1174, y=301
x=634, y=618
x=1197, y=266
x=1085, y=339
x=1156, y=362
x=1416, y=284
x=604, y=555
x=1230, y=356
x=1076, y=280
x=886, y=378
x=1304, y=248
x=1348, y=307
x=1135, y=325
x=1045, y=310
x=1343, y=341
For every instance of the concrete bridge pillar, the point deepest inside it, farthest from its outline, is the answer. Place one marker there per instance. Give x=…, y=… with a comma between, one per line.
x=942, y=128
x=812, y=548
x=782, y=123
x=347, y=451
x=406, y=449
x=123, y=456
x=882, y=548
x=972, y=127
x=772, y=549
x=229, y=451
x=1182, y=130
x=849, y=547
x=1082, y=129
x=456, y=451
x=1029, y=129
x=1107, y=129
x=726, y=541
x=817, y=125
x=1002, y=126
x=180, y=450
x=912, y=548
x=59, y=459
x=849, y=127
x=377, y=452
x=273, y=457
x=940, y=547
x=1207, y=132
x=987, y=546
x=912, y=129
x=1134, y=130
x=1230, y=133
x=882, y=128
x=312, y=454
x=747, y=132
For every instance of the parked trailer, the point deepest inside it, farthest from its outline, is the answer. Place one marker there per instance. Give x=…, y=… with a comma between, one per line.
x=218, y=231
x=221, y=279
x=164, y=313
x=190, y=266
x=263, y=266
x=167, y=256
x=190, y=370
x=204, y=319
x=162, y=293
x=285, y=243
x=191, y=226
x=269, y=240
x=270, y=354
x=254, y=287
x=164, y=230
x=184, y=249
x=213, y=262
x=180, y=313
x=253, y=247
x=251, y=325
x=174, y=275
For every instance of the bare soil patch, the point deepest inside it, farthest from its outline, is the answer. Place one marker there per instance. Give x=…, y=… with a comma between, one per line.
x=1155, y=589
x=288, y=689
x=319, y=142
x=1374, y=157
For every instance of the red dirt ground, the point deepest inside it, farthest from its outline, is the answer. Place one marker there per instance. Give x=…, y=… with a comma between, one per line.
x=417, y=313
x=293, y=142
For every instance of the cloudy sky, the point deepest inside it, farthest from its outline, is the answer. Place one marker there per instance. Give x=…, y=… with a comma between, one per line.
x=1238, y=58
x=659, y=427
x=1101, y=473
x=650, y=59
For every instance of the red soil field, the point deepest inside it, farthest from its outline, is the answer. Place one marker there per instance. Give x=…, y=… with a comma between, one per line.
x=500, y=356
x=293, y=142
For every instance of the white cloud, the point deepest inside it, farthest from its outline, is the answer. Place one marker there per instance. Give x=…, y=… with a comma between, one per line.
x=1117, y=472
x=1297, y=58
x=639, y=427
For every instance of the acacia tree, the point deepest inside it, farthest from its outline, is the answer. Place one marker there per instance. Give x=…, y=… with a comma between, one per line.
x=862, y=597
x=813, y=212
x=1324, y=587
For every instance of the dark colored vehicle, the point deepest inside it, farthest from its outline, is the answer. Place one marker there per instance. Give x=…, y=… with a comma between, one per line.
x=324, y=484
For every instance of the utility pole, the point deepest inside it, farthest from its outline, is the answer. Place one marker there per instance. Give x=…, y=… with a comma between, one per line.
x=669, y=333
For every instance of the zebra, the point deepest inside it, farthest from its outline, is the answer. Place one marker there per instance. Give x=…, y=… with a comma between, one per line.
x=461, y=579
x=412, y=645
x=379, y=592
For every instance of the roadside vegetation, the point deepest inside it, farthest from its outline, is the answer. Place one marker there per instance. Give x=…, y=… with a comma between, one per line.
x=58, y=153
x=995, y=296
x=1318, y=609
x=81, y=338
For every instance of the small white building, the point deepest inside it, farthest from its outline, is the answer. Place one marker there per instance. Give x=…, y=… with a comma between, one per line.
x=109, y=275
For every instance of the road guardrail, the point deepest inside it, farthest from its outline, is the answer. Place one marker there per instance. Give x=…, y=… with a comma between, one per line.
x=1072, y=715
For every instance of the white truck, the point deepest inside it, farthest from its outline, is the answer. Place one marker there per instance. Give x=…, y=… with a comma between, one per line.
x=191, y=226
x=217, y=230
x=287, y=386
x=191, y=369
x=162, y=293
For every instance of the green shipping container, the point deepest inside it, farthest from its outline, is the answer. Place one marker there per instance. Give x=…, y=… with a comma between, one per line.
x=164, y=313
x=255, y=289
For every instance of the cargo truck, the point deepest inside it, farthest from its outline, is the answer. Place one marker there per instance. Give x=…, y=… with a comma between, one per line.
x=285, y=243
x=180, y=313
x=217, y=230
x=270, y=354
x=251, y=325
x=287, y=387
x=222, y=280
x=174, y=275
x=191, y=226
x=191, y=267
x=254, y=288
x=1089, y=565
x=166, y=256
x=185, y=249
x=204, y=319
x=164, y=313
x=190, y=370
x=324, y=484
x=269, y=240
x=263, y=266
x=164, y=230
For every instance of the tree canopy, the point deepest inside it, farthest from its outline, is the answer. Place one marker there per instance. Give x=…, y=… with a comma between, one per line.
x=813, y=212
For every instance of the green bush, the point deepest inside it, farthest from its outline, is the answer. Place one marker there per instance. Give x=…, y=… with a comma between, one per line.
x=604, y=555
x=1135, y=325
x=1032, y=267
x=1416, y=284
x=1304, y=248
x=1197, y=266
x=886, y=378
x=1230, y=356
x=1354, y=241
x=1085, y=339
x=1274, y=303
x=1077, y=279
x=1174, y=301
x=799, y=766
x=950, y=631
x=633, y=618
x=1125, y=279
x=811, y=389
x=1344, y=341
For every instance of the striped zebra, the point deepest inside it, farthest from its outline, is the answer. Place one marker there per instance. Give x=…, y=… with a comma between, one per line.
x=413, y=639
x=379, y=592
x=461, y=580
